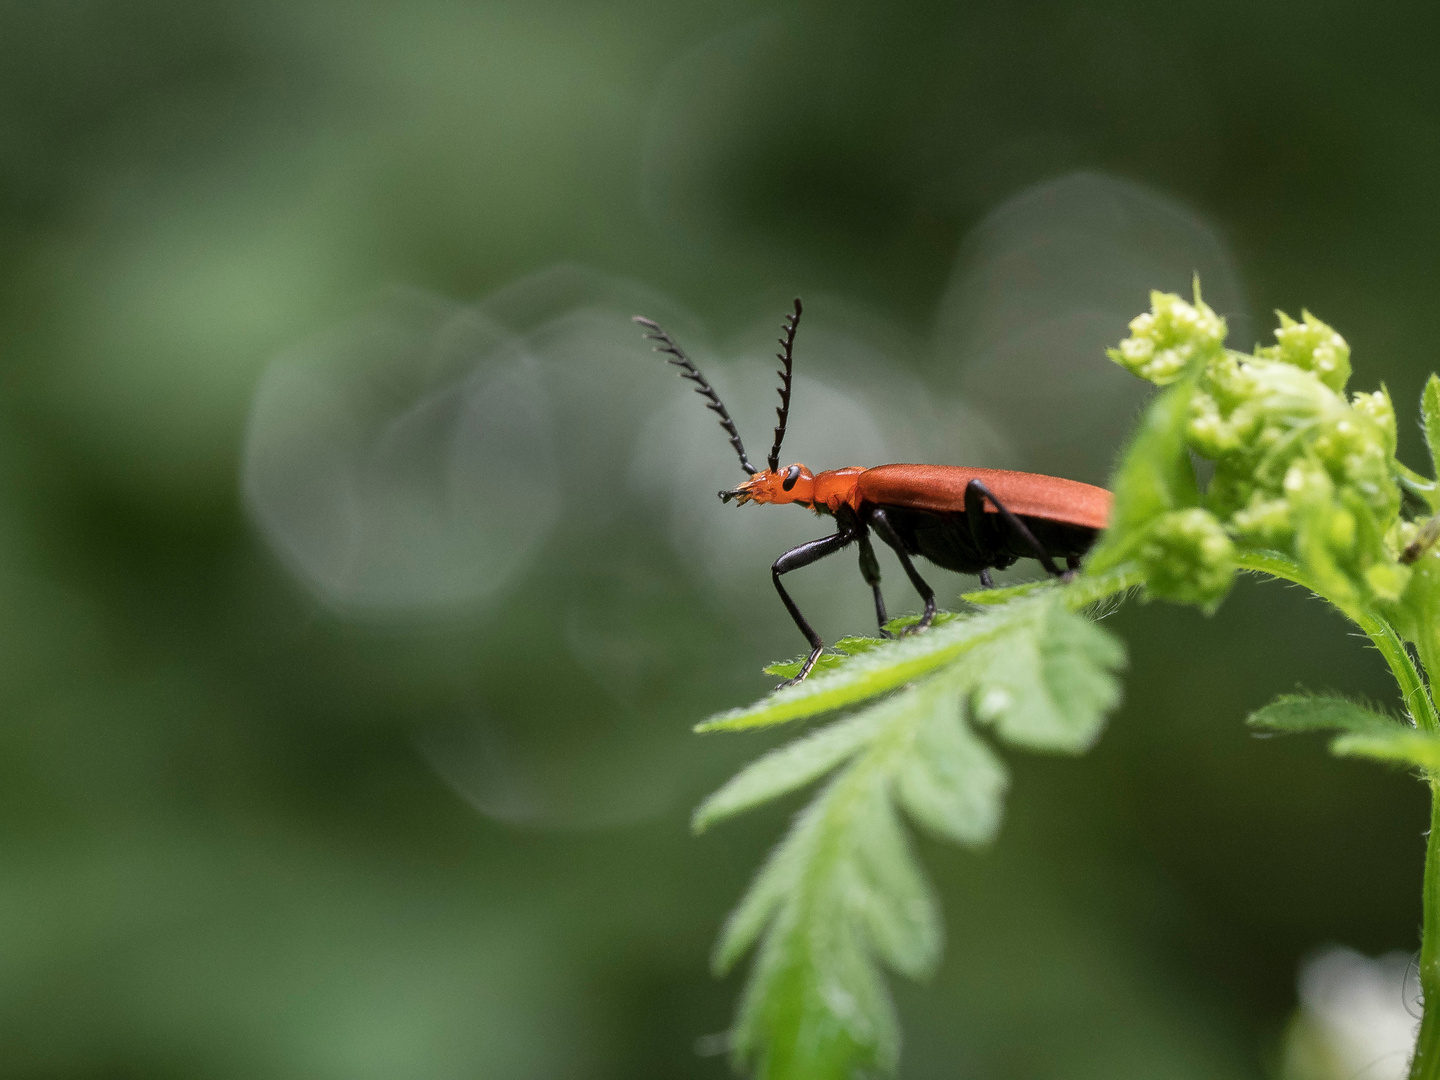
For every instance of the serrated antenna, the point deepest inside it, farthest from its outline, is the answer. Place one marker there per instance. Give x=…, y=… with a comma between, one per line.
x=786, y=356
x=675, y=355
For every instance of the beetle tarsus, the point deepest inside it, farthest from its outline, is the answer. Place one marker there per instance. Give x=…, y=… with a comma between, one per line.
x=925, y=619
x=880, y=617
x=805, y=668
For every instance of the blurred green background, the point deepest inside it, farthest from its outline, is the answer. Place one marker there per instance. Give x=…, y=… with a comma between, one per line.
x=353, y=636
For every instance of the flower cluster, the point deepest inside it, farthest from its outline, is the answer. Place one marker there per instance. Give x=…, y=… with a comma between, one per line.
x=1298, y=467
x=1311, y=346
x=1169, y=337
x=1188, y=558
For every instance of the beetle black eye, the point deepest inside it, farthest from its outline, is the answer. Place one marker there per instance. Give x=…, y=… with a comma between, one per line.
x=791, y=475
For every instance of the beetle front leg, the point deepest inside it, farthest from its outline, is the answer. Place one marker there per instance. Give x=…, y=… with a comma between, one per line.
x=881, y=524
x=794, y=559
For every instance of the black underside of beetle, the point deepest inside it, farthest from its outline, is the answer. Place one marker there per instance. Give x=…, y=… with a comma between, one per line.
x=947, y=540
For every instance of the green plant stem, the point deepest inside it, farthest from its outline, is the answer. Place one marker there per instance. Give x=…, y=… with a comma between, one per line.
x=1426, y=1063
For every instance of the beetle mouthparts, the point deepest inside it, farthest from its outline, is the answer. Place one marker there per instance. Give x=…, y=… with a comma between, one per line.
x=738, y=493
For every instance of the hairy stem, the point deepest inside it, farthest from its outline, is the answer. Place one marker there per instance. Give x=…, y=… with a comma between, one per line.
x=1426, y=1063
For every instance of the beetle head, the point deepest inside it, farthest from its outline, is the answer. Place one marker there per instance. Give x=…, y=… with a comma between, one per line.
x=795, y=483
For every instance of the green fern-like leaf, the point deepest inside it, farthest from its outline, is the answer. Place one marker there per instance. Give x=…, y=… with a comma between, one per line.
x=1363, y=731
x=843, y=895
x=784, y=770
x=1291, y=714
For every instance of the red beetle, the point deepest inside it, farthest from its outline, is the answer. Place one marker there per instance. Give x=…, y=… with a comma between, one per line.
x=968, y=520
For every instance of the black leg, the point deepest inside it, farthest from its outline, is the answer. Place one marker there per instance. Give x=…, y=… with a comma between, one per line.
x=975, y=495
x=870, y=571
x=986, y=582
x=794, y=559
x=881, y=525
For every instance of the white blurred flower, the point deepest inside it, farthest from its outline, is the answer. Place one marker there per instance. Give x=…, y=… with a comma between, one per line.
x=1355, y=1020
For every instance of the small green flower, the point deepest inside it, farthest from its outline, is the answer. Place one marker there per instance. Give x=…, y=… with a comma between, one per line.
x=1381, y=409
x=1355, y=449
x=1168, y=337
x=1189, y=559
x=1264, y=522
x=1311, y=346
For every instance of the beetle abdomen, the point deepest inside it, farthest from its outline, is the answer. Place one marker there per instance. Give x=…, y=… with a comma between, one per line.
x=945, y=539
